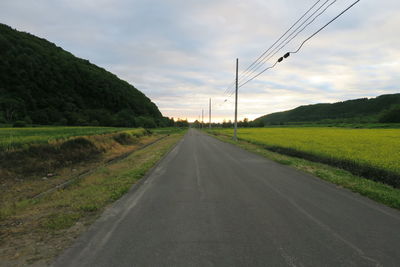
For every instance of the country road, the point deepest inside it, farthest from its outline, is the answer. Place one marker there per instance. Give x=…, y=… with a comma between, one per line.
x=208, y=203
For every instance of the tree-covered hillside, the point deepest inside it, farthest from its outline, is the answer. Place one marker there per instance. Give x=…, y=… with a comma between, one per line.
x=384, y=108
x=41, y=83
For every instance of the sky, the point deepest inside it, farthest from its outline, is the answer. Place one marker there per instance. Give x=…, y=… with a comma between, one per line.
x=181, y=53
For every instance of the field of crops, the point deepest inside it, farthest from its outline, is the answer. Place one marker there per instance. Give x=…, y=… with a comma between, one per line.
x=11, y=138
x=378, y=148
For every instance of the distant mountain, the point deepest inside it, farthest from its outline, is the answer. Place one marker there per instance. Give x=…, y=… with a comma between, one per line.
x=384, y=108
x=41, y=83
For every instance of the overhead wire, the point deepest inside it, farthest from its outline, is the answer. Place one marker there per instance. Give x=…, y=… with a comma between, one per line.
x=277, y=49
x=282, y=36
x=302, y=44
x=229, y=88
x=323, y=27
x=300, y=31
x=287, y=42
x=267, y=56
x=255, y=76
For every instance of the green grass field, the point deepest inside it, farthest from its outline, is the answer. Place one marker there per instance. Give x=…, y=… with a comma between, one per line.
x=12, y=138
x=372, y=148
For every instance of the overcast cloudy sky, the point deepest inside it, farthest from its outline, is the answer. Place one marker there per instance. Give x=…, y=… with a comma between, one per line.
x=181, y=52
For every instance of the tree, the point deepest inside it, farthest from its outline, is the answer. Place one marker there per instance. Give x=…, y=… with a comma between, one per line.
x=10, y=107
x=245, y=122
x=196, y=124
x=126, y=118
x=391, y=115
x=145, y=122
x=182, y=123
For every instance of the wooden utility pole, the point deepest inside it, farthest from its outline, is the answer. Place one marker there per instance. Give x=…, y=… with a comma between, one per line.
x=202, y=117
x=209, y=113
x=236, y=100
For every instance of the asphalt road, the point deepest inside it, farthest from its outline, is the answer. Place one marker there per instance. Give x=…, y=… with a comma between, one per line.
x=209, y=203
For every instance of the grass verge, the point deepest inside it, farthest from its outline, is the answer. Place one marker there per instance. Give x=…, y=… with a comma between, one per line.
x=38, y=229
x=379, y=192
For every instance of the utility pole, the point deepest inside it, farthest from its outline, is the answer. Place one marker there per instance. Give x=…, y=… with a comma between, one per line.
x=209, y=113
x=198, y=122
x=202, y=117
x=236, y=100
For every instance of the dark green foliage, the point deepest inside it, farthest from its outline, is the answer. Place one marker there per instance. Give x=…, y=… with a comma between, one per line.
x=362, y=110
x=146, y=122
x=19, y=124
x=167, y=122
x=48, y=85
x=227, y=124
x=245, y=123
x=182, y=123
x=256, y=123
x=390, y=115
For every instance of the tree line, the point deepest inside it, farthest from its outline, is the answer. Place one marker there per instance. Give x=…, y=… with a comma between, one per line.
x=384, y=108
x=229, y=124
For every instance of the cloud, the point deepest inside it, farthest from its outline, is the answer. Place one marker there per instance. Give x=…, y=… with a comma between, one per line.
x=180, y=53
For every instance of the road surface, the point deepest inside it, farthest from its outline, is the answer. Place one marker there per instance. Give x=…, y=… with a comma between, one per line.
x=209, y=203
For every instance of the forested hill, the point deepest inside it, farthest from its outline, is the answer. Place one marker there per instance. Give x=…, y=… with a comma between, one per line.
x=41, y=83
x=384, y=108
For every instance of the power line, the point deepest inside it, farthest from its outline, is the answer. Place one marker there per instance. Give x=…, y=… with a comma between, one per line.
x=280, y=48
x=323, y=27
x=255, y=76
x=282, y=36
x=266, y=56
x=302, y=44
x=230, y=89
x=299, y=48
